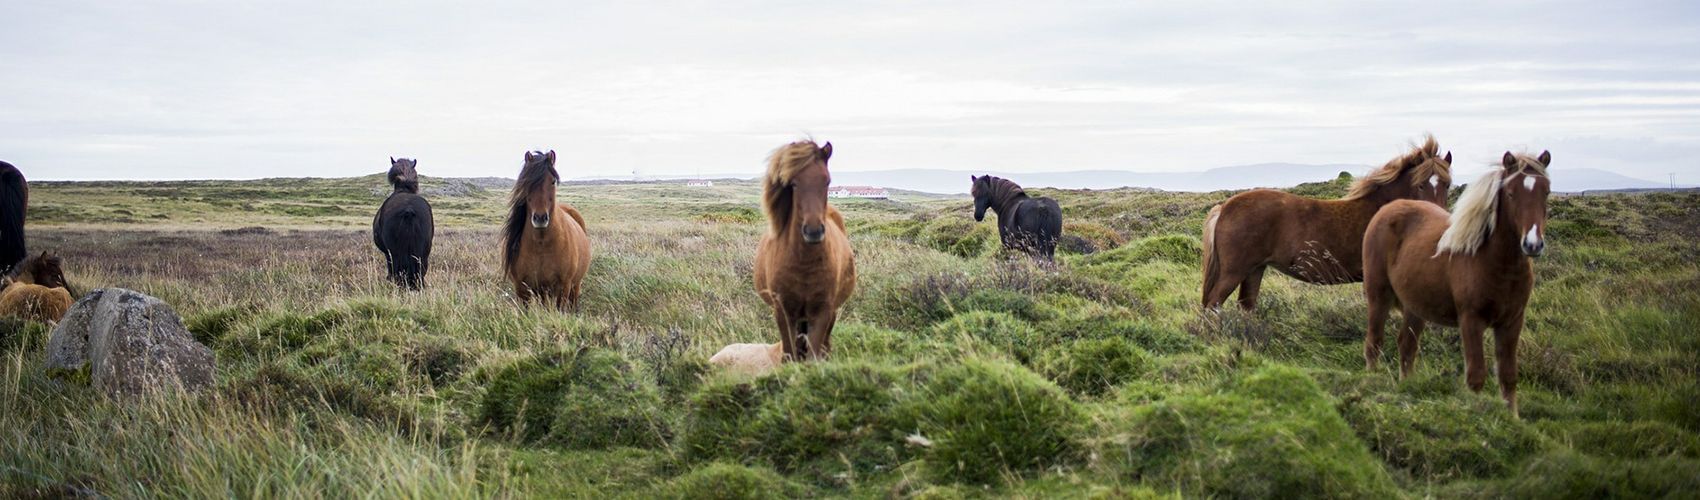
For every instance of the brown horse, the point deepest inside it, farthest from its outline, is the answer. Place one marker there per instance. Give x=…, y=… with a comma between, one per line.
x=804, y=266
x=1471, y=270
x=545, y=251
x=36, y=290
x=1315, y=241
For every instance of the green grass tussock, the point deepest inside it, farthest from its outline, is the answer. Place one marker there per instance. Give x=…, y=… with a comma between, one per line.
x=588, y=399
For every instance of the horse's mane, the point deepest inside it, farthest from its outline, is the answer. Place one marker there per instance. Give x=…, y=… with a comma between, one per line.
x=537, y=173
x=1474, y=214
x=1418, y=158
x=999, y=189
x=783, y=165
x=404, y=185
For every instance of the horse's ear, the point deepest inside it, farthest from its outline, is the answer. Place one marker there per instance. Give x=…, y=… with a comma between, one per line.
x=551, y=156
x=528, y=156
x=1509, y=161
x=973, y=178
x=1448, y=158
x=392, y=160
x=1545, y=158
x=826, y=151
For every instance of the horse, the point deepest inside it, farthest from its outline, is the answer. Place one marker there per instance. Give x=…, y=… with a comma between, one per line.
x=1315, y=241
x=402, y=228
x=1030, y=225
x=1471, y=269
x=805, y=268
x=545, y=251
x=751, y=359
x=36, y=290
x=14, y=201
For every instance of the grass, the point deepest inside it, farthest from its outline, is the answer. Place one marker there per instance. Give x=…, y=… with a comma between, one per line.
x=958, y=373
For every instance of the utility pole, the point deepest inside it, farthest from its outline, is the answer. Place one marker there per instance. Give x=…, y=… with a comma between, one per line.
x=1673, y=181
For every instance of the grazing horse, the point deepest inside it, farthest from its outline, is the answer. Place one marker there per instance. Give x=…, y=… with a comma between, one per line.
x=1470, y=269
x=37, y=290
x=545, y=251
x=14, y=201
x=1030, y=225
x=1315, y=241
x=403, y=228
x=804, y=268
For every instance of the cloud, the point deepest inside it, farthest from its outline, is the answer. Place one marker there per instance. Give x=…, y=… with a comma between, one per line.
x=240, y=89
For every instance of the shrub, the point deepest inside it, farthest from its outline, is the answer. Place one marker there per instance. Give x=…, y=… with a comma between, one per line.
x=1092, y=367
x=986, y=418
x=1272, y=433
x=588, y=399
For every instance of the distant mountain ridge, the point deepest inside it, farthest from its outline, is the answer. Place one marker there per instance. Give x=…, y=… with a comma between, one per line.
x=1271, y=175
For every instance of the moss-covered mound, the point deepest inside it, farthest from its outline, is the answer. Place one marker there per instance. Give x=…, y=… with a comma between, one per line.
x=1000, y=331
x=1272, y=433
x=1428, y=426
x=588, y=399
x=1176, y=248
x=959, y=236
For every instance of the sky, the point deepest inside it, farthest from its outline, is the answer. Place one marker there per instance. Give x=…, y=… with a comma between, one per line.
x=239, y=89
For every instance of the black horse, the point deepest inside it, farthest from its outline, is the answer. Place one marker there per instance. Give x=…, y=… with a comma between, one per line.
x=403, y=228
x=14, y=200
x=1031, y=225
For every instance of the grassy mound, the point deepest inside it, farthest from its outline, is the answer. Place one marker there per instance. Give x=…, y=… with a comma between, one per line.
x=822, y=418
x=1001, y=331
x=727, y=481
x=986, y=419
x=959, y=236
x=1272, y=433
x=1572, y=475
x=1176, y=248
x=1614, y=439
x=1092, y=367
x=588, y=399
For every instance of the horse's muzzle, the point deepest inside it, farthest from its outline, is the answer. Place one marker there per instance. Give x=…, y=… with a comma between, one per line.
x=814, y=234
x=1534, y=249
x=540, y=221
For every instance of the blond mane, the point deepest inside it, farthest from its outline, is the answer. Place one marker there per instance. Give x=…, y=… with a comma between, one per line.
x=1418, y=158
x=782, y=165
x=1473, y=216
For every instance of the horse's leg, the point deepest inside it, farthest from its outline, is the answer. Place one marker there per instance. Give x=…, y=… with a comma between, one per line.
x=820, y=333
x=787, y=339
x=572, y=296
x=1505, y=356
x=1470, y=328
x=1227, y=279
x=1409, y=334
x=1249, y=288
x=523, y=293
x=1379, y=308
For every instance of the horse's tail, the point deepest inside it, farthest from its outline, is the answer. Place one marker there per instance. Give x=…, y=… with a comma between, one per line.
x=1211, y=266
x=573, y=212
x=14, y=200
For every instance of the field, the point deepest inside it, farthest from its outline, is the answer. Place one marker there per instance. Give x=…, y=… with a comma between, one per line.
x=958, y=372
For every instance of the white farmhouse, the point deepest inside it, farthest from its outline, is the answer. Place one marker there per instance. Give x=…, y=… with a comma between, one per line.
x=870, y=192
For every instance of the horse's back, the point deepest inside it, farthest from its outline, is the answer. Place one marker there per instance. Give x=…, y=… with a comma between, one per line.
x=1399, y=255
x=34, y=302
x=14, y=201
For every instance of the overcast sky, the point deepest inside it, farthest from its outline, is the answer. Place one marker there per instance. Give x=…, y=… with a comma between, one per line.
x=235, y=89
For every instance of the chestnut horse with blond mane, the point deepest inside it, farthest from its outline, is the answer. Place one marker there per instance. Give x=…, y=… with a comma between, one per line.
x=804, y=266
x=1470, y=269
x=1315, y=241
x=545, y=251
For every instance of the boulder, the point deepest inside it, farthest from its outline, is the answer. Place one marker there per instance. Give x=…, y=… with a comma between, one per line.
x=128, y=343
x=753, y=359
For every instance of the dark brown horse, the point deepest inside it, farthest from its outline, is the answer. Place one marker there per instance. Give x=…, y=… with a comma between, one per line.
x=1025, y=224
x=45, y=269
x=545, y=251
x=1470, y=269
x=14, y=201
x=403, y=227
x=804, y=266
x=1315, y=241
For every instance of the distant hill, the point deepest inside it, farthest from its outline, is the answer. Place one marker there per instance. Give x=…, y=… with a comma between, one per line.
x=1272, y=175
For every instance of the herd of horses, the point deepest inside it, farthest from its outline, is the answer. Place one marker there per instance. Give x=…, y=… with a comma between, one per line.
x=1469, y=268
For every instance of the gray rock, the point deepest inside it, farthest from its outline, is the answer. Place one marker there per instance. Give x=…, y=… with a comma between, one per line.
x=128, y=343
